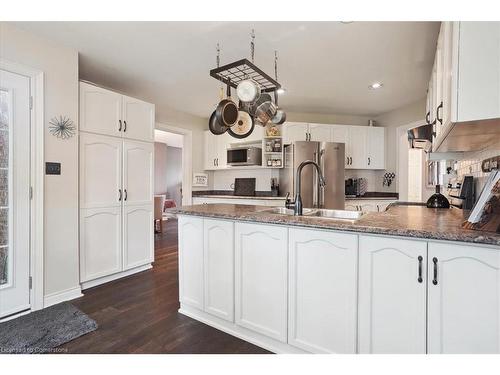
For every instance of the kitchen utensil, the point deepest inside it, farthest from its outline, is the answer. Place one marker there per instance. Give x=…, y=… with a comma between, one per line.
x=227, y=110
x=265, y=112
x=243, y=127
x=248, y=91
x=280, y=116
x=438, y=200
x=213, y=123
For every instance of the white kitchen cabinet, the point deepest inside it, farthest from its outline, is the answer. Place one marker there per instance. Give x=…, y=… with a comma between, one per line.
x=261, y=273
x=100, y=171
x=191, y=261
x=358, y=136
x=375, y=142
x=138, y=119
x=322, y=291
x=463, y=299
x=100, y=242
x=138, y=173
x=340, y=134
x=138, y=246
x=218, y=259
x=100, y=110
x=295, y=131
x=392, y=295
x=368, y=205
x=106, y=112
x=216, y=150
x=320, y=132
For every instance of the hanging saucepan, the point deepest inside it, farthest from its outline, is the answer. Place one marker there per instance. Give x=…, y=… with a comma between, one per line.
x=265, y=109
x=248, y=91
x=244, y=125
x=227, y=110
x=213, y=124
x=280, y=116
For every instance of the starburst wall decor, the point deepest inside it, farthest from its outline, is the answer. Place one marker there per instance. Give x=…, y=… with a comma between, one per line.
x=62, y=127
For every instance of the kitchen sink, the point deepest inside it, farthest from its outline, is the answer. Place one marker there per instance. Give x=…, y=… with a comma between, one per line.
x=318, y=213
x=336, y=214
x=287, y=211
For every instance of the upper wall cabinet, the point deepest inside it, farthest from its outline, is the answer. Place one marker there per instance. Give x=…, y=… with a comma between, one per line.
x=464, y=88
x=109, y=113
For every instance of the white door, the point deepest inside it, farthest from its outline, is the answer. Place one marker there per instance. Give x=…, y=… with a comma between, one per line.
x=14, y=193
x=137, y=173
x=218, y=257
x=261, y=268
x=376, y=148
x=191, y=261
x=100, y=242
x=392, y=295
x=100, y=110
x=464, y=299
x=100, y=171
x=320, y=132
x=340, y=134
x=295, y=131
x=138, y=119
x=322, y=291
x=137, y=236
x=357, y=147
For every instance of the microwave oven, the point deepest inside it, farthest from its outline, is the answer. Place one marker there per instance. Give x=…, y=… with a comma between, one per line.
x=244, y=156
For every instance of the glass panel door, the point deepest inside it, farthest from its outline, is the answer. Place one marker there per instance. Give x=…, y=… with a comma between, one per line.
x=4, y=185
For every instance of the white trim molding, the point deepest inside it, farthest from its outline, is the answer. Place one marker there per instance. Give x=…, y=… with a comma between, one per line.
x=187, y=159
x=65, y=295
x=37, y=178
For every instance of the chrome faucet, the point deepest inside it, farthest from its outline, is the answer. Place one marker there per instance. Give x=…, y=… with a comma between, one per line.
x=296, y=204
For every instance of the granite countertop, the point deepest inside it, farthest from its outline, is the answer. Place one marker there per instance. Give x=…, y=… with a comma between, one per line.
x=398, y=220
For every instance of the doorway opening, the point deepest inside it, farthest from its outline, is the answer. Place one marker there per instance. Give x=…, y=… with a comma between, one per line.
x=168, y=175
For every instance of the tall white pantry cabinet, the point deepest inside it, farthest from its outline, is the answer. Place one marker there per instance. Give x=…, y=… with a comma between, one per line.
x=116, y=184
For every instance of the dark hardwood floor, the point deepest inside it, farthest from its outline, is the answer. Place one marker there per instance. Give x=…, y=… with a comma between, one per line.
x=138, y=314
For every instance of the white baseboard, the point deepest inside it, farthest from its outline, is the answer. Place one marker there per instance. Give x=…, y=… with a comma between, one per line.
x=65, y=295
x=115, y=276
x=245, y=334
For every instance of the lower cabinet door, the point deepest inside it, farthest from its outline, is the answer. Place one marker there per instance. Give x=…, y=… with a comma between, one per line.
x=138, y=247
x=218, y=261
x=322, y=291
x=100, y=242
x=261, y=268
x=392, y=295
x=464, y=299
x=191, y=261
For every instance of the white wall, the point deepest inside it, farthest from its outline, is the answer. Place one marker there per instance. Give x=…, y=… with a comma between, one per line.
x=160, y=168
x=60, y=66
x=174, y=173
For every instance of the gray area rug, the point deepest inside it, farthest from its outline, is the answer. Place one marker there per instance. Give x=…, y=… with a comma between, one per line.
x=44, y=330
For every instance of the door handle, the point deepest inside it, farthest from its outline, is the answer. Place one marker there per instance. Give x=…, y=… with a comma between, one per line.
x=428, y=117
x=350, y=160
x=369, y=161
x=124, y=126
x=347, y=161
x=119, y=195
x=120, y=127
x=440, y=106
x=420, y=259
x=126, y=195
x=435, y=279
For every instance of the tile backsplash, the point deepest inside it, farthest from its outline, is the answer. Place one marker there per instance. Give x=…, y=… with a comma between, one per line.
x=471, y=166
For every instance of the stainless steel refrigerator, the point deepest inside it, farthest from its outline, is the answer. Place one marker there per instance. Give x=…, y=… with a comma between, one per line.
x=330, y=157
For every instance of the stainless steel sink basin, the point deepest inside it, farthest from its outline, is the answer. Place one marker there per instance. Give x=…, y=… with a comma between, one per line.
x=286, y=211
x=318, y=213
x=336, y=214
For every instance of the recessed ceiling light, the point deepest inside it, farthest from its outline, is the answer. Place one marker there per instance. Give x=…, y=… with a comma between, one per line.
x=281, y=90
x=376, y=85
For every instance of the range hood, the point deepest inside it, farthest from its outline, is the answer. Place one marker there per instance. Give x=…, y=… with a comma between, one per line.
x=421, y=137
x=468, y=136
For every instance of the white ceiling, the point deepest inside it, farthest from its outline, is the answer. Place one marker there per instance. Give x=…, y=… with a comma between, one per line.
x=170, y=139
x=326, y=67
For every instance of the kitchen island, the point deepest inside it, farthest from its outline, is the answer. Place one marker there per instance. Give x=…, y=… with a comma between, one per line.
x=408, y=280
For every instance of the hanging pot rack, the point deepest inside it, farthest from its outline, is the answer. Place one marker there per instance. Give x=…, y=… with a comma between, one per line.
x=233, y=73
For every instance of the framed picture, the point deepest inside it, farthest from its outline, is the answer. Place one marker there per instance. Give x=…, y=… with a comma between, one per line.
x=200, y=179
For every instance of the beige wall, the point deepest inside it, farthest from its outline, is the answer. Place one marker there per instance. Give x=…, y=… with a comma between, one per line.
x=60, y=67
x=160, y=168
x=321, y=118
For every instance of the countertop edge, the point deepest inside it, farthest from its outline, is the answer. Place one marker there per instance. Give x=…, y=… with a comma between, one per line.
x=483, y=239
